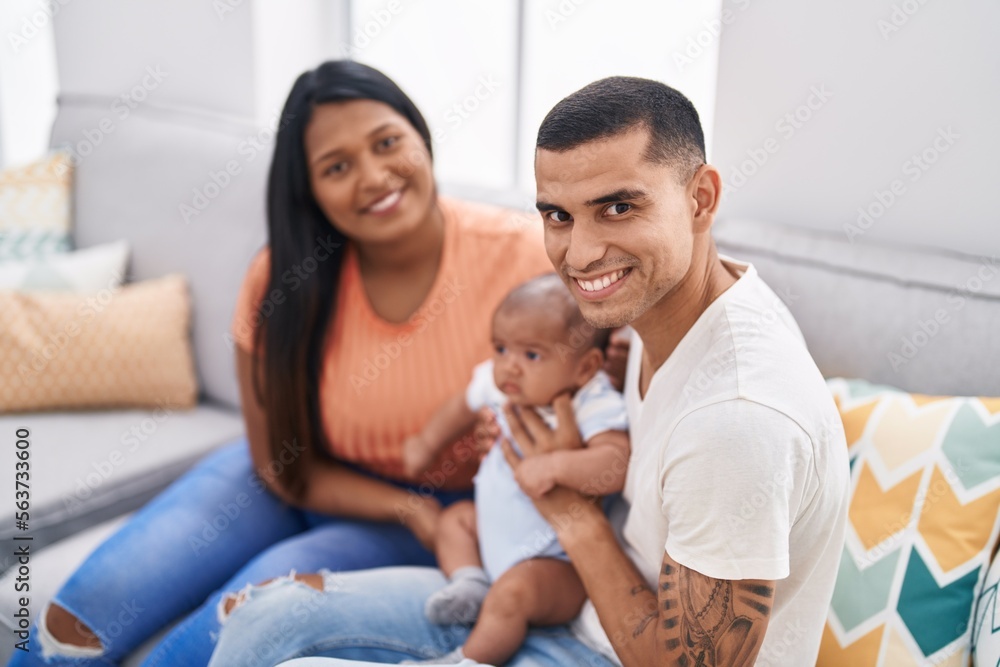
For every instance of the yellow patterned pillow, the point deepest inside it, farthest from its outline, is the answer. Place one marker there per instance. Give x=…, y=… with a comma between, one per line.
x=122, y=347
x=35, y=208
x=924, y=516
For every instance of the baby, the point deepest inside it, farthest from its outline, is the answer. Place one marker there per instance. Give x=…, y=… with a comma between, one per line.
x=505, y=566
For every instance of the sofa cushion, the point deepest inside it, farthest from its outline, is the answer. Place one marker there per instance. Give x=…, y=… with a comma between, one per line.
x=35, y=208
x=116, y=348
x=923, y=520
x=916, y=318
x=86, y=467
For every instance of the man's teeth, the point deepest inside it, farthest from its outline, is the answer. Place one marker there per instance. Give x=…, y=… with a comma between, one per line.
x=386, y=202
x=601, y=282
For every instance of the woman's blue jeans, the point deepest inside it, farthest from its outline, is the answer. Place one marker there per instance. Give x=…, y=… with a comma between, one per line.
x=375, y=616
x=211, y=533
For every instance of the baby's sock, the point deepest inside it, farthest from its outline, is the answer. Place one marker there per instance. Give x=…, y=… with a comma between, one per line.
x=460, y=600
x=453, y=658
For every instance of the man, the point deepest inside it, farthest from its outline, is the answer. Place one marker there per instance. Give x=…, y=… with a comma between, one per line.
x=736, y=497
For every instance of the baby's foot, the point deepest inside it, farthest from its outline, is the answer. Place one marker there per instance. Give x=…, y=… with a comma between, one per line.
x=460, y=600
x=454, y=658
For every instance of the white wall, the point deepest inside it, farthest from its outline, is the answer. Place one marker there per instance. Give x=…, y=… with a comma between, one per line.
x=204, y=50
x=900, y=78
x=224, y=61
x=290, y=37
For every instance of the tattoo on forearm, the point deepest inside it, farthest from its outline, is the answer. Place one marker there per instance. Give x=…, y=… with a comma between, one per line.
x=651, y=614
x=711, y=622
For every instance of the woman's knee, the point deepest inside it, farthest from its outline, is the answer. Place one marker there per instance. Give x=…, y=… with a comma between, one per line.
x=62, y=633
x=232, y=601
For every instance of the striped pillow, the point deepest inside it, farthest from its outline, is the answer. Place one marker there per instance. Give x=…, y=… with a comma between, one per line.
x=35, y=208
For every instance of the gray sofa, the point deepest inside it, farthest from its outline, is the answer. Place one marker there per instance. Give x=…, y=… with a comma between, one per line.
x=130, y=187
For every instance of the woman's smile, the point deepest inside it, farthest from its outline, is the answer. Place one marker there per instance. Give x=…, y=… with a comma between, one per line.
x=385, y=204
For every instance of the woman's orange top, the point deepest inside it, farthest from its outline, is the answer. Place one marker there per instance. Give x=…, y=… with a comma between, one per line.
x=382, y=381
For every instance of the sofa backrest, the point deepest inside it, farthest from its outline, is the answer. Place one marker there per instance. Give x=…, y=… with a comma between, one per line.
x=160, y=180
x=922, y=320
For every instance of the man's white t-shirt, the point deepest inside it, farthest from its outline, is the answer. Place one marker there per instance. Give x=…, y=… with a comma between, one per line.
x=739, y=466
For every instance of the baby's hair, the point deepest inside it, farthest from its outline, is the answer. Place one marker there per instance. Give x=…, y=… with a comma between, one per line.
x=550, y=293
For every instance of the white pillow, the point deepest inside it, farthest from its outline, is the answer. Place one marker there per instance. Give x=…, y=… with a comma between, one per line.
x=986, y=621
x=89, y=270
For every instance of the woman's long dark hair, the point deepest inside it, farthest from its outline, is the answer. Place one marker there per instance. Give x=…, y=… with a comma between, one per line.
x=286, y=379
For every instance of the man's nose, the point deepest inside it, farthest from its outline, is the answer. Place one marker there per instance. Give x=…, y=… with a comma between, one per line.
x=586, y=245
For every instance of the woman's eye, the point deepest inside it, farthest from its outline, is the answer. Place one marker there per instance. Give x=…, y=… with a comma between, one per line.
x=619, y=209
x=337, y=168
x=388, y=142
x=558, y=216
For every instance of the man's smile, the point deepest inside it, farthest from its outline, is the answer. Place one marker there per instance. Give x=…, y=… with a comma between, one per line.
x=601, y=286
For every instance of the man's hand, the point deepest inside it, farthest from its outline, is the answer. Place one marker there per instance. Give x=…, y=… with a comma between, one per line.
x=536, y=475
x=418, y=454
x=561, y=506
x=423, y=521
x=531, y=433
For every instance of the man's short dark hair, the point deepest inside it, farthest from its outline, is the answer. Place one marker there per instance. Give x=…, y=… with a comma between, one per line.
x=618, y=104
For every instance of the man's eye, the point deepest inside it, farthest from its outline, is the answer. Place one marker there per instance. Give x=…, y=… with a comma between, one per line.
x=619, y=209
x=558, y=216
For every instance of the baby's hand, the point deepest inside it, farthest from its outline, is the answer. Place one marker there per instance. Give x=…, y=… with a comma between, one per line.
x=536, y=475
x=418, y=454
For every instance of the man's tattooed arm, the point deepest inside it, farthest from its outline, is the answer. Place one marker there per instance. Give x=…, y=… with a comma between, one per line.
x=689, y=620
x=710, y=622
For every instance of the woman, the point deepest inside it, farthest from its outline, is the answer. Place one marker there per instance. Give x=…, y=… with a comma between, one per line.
x=369, y=307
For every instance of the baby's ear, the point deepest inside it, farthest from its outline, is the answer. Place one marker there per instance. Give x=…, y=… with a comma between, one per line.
x=590, y=362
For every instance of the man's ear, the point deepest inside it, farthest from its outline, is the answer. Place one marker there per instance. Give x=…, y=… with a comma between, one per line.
x=705, y=189
x=590, y=362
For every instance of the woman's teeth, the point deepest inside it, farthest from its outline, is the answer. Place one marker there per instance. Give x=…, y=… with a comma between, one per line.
x=385, y=203
x=600, y=282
